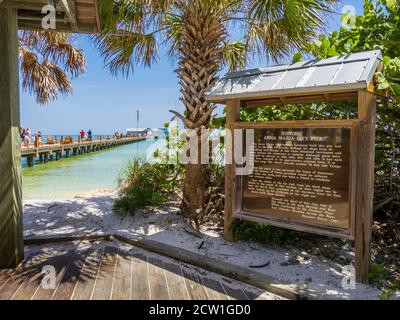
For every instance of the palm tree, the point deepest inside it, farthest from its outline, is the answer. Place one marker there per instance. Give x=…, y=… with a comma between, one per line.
x=205, y=36
x=48, y=61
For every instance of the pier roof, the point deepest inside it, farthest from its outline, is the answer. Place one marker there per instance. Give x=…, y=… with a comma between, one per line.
x=81, y=16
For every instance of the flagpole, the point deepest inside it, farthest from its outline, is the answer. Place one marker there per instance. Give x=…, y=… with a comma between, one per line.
x=137, y=132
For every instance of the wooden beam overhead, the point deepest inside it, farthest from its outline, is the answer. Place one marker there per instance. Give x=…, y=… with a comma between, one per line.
x=80, y=16
x=69, y=8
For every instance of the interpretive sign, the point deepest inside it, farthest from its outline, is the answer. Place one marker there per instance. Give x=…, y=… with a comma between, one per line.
x=301, y=177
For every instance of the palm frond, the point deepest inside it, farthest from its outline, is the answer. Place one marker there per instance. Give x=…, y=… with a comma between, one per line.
x=235, y=55
x=48, y=61
x=43, y=79
x=276, y=26
x=123, y=49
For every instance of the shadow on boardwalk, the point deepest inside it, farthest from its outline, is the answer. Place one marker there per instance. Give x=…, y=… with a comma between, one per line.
x=110, y=270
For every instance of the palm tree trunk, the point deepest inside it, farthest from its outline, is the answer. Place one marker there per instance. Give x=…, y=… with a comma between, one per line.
x=199, y=62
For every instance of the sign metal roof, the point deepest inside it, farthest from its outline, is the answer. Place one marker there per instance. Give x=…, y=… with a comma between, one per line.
x=340, y=73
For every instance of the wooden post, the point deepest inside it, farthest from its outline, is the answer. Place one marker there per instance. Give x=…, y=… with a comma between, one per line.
x=11, y=236
x=232, y=115
x=365, y=182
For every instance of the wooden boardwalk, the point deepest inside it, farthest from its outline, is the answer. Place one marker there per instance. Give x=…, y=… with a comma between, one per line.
x=46, y=151
x=107, y=270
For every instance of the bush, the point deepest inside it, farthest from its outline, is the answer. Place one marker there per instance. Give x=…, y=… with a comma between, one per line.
x=377, y=273
x=245, y=230
x=143, y=184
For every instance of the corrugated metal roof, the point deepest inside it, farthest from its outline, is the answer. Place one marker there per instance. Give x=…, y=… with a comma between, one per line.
x=137, y=129
x=346, y=72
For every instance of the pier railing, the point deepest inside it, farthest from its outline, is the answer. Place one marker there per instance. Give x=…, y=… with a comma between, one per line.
x=65, y=146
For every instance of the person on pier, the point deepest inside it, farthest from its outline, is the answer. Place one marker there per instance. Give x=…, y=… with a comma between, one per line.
x=82, y=133
x=27, y=137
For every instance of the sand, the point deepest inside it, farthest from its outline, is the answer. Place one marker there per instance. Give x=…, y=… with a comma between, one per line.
x=92, y=214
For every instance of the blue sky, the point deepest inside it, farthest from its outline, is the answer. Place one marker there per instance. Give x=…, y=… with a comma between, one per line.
x=106, y=104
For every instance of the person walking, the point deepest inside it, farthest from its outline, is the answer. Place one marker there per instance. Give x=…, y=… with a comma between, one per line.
x=82, y=133
x=27, y=137
x=89, y=134
x=22, y=134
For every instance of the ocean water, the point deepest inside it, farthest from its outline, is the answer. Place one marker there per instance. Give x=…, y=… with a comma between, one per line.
x=64, y=178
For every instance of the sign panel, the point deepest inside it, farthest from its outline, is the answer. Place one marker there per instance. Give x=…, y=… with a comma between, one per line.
x=301, y=176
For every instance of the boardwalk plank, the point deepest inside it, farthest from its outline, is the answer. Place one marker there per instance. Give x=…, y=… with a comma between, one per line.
x=214, y=289
x=176, y=282
x=106, y=272
x=70, y=278
x=123, y=278
x=235, y=293
x=5, y=274
x=140, y=278
x=60, y=264
x=34, y=279
x=104, y=282
x=255, y=294
x=87, y=278
x=17, y=277
x=157, y=280
x=195, y=286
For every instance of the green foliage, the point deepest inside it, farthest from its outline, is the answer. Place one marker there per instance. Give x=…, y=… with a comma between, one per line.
x=377, y=28
x=377, y=273
x=245, y=230
x=297, y=57
x=385, y=294
x=145, y=184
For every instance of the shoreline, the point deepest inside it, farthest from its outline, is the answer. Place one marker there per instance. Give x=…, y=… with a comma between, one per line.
x=78, y=195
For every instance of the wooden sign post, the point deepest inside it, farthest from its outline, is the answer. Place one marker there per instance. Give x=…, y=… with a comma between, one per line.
x=339, y=206
x=313, y=176
x=365, y=182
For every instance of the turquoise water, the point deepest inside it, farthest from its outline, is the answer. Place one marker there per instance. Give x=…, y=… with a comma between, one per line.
x=66, y=177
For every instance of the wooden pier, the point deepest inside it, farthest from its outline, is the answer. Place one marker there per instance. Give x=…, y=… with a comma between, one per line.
x=45, y=152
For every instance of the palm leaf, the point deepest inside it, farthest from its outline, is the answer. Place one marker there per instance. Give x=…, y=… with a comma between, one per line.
x=48, y=61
